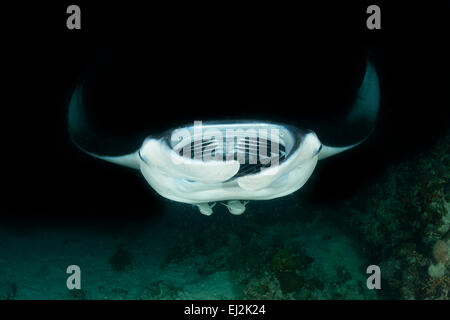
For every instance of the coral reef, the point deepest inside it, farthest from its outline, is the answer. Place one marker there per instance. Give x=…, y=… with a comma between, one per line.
x=404, y=225
x=274, y=260
x=8, y=290
x=78, y=294
x=121, y=260
x=282, y=249
x=265, y=287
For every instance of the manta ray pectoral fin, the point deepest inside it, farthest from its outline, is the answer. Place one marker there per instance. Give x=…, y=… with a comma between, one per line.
x=130, y=160
x=367, y=102
x=78, y=128
x=365, y=109
x=328, y=151
x=155, y=153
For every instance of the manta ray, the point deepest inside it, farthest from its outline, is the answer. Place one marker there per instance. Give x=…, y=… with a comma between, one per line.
x=230, y=162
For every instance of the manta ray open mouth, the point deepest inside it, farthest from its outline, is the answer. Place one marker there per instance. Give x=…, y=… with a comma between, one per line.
x=255, y=145
x=233, y=161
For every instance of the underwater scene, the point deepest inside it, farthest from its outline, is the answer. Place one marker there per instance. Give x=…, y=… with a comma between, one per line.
x=238, y=154
x=279, y=249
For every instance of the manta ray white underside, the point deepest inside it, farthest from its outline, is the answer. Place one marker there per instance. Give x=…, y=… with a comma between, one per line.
x=204, y=163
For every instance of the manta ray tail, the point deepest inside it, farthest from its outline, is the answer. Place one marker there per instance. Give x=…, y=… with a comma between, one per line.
x=365, y=108
x=79, y=130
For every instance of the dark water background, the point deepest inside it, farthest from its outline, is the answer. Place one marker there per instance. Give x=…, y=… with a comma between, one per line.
x=150, y=69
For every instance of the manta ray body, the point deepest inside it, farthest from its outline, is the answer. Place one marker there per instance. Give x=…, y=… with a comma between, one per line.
x=237, y=161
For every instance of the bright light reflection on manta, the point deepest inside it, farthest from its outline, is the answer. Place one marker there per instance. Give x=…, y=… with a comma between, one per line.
x=234, y=161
